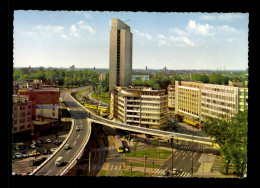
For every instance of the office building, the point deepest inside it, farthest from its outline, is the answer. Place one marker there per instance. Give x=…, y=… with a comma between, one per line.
x=171, y=101
x=194, y=101
x=142, y=107
x=120, y=56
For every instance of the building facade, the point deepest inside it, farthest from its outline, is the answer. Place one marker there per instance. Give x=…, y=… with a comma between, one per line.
x=120, y=56
x=22, y=114
x=171, y=100
x=46, y=101
x=140, y=107
x=194, y=101
x=142, y=77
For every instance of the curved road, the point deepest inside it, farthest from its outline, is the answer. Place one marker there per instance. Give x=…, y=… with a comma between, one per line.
x=76, y=140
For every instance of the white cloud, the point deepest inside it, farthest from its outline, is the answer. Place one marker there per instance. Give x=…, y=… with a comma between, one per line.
x=179, y=41
x=64, y=36
x=178, y=31
x=85, y=14
x=199, y=28
x=149, y=37
x=160, y=36
x=74, y=31
x=229, y=16
x=223, y=17
x=187, y=41
x=80, y=26
x=227, y=28
x=207, y=17
x=50, y=29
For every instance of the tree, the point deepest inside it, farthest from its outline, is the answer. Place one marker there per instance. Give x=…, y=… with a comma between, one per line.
x=94, y=83
x=218, y=79
x=230, y=134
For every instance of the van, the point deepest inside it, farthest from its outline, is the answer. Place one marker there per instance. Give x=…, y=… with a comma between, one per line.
x=59, y=161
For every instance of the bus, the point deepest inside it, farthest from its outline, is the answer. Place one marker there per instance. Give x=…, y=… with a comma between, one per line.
x=119, y=144
x=193, y=123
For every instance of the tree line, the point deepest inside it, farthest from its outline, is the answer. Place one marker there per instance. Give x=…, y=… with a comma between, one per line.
x=160, y=81
x=63, y=77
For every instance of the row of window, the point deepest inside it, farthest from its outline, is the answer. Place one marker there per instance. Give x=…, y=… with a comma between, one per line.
x=22, y=114
x=21, y=127
x=226, y=103
x=21, y=107
x=222, y=89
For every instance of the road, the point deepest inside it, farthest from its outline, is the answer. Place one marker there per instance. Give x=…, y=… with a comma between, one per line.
x=76, y=140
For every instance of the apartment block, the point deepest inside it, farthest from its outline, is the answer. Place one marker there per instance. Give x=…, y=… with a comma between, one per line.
x=22, y=114
x=140, y=107
x=120, y=54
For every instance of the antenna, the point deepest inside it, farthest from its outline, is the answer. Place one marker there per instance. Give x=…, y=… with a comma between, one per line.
x=127, y=20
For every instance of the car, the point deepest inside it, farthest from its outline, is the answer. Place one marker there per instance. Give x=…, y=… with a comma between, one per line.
x=77, y=128
x=134, y=140
x=33, y=146
x=166, y=172
x=53, y=150
x=48, y=140
x=43, y=159
x=25, y=155
x=67, y=146
x=18, y=155
x=174, y=171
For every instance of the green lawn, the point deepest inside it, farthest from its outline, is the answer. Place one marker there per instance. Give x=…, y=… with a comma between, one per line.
x=135, y=173
x=148, y=165
x=103, y=173
x=150, y=153
x=104, y=97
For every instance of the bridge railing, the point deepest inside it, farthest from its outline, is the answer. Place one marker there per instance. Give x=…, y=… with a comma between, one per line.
x=204, y=140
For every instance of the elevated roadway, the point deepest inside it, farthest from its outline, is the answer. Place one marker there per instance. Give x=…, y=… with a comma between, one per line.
x=93, y=118
x=77, y=140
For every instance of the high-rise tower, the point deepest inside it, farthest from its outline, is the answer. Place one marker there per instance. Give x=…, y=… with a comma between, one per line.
x=120, y=55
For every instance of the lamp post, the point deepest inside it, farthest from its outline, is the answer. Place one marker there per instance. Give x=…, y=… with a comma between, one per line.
x=172, y=153
x=192, y=148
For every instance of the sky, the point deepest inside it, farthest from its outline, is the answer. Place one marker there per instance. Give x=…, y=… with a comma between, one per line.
x=175, y=40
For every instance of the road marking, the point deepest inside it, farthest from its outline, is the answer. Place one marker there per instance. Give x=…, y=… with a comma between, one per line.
x=48, y=172
x=74, y=143
x=68, y=151
x=78, y=136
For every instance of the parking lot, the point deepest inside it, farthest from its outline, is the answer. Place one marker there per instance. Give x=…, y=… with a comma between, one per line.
x=38, y=151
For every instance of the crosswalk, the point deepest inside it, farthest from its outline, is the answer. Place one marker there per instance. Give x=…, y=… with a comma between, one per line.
x=189, y=148
x=160, y=171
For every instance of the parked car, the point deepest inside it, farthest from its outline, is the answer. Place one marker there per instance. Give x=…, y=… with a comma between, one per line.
x=33, y=146
x=77, y=128
x=53, y=150
x=57, y=142
x=174, y=171
x=18, y=155
x=48, y=140
x=25, y=155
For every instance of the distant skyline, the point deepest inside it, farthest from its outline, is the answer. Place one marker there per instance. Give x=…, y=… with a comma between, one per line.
x=175, y=40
